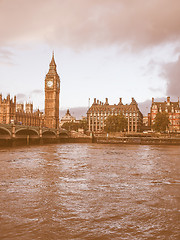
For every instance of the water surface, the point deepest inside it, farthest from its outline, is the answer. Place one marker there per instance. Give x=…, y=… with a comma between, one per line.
x=90, y=191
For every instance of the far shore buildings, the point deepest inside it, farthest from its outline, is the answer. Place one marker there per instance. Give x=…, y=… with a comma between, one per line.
x=68, y=118
x=171, y=108
x=99, y=112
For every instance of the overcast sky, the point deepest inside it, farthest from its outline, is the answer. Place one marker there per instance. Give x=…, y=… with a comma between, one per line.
x=103, y=48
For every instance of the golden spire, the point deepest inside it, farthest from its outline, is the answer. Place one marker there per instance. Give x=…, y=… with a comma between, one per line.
x=52, y=63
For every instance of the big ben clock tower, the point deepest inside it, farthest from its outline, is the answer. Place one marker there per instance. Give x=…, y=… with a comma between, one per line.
x=52, y=89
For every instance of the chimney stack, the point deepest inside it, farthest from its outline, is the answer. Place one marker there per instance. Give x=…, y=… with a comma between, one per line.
x=106, y=101
x=94, y=100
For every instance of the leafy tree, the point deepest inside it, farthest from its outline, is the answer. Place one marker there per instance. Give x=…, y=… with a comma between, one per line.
x=75, y=125
x=83, y=124
x=70, y=126
x=161, y=122
x=116, y=123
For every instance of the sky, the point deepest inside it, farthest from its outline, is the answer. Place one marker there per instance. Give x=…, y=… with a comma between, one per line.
x=103, y=49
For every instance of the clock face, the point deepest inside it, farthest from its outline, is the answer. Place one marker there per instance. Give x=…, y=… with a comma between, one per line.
x=50, y=83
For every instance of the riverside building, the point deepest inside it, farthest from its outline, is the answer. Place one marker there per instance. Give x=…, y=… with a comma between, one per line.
x=171, y=108
x=68, y=118
x=12, y=112
x=99, y=112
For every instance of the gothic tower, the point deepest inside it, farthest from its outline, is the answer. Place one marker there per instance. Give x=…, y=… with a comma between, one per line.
x=52, y=89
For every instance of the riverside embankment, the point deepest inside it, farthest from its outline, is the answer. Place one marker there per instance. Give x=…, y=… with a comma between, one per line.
x=112, y=138
x=138, y=138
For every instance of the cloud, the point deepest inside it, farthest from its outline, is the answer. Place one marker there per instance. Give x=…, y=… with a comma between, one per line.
x=171, y=71
x=21, y=97
x=90, y=23
x=36, y=91
x=6, y=57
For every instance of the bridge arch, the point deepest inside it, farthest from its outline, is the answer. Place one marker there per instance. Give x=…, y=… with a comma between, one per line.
x=63, y=133
x=5, y=131
x=49, y=133
x=26, y=131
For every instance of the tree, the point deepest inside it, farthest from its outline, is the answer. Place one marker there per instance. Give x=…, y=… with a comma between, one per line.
x=70, y=126
x=83, y=124
x=75, y=125
x=161, y=122
x=116, y=123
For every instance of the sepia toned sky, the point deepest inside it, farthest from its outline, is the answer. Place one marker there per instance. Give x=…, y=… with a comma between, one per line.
x=103, y=48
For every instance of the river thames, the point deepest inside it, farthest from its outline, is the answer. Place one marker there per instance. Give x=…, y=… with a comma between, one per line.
x=90, y=191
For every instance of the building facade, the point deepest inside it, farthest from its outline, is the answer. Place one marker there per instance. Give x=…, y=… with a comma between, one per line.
x=7, y=109
x=52, y=90
x=99, y=112
x=68, y=118
x=171, y=108
x=11, y=112
x=28, y=117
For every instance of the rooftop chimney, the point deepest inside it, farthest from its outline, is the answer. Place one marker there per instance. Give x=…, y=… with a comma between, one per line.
x=94, y=100
x=152, y=100
x=106, y=101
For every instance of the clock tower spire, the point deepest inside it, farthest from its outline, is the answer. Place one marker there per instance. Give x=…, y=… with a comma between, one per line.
x=52, y=90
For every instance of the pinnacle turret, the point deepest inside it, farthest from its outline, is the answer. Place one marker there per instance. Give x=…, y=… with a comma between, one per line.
x=52, y=63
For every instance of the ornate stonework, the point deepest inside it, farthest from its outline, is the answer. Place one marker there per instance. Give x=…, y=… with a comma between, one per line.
x=52, y=90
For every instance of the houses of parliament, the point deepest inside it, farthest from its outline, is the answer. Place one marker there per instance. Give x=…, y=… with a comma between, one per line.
x=13, y=112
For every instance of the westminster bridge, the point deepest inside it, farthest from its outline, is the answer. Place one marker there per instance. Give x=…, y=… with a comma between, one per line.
x=11, y=133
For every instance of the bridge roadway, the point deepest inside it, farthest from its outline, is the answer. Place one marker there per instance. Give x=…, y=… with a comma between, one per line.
x=12, y=131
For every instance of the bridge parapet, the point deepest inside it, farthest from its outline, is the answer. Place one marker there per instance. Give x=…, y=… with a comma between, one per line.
x=15, y=131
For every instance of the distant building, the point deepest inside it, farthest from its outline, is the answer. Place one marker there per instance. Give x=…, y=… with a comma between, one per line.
x=19, y=107
x=29, y=107
x=67, y=118
x=11, y=112
x=99, y=112
x=171, y=108
x=145, y=121
x=7, y=109
x=29, y=117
